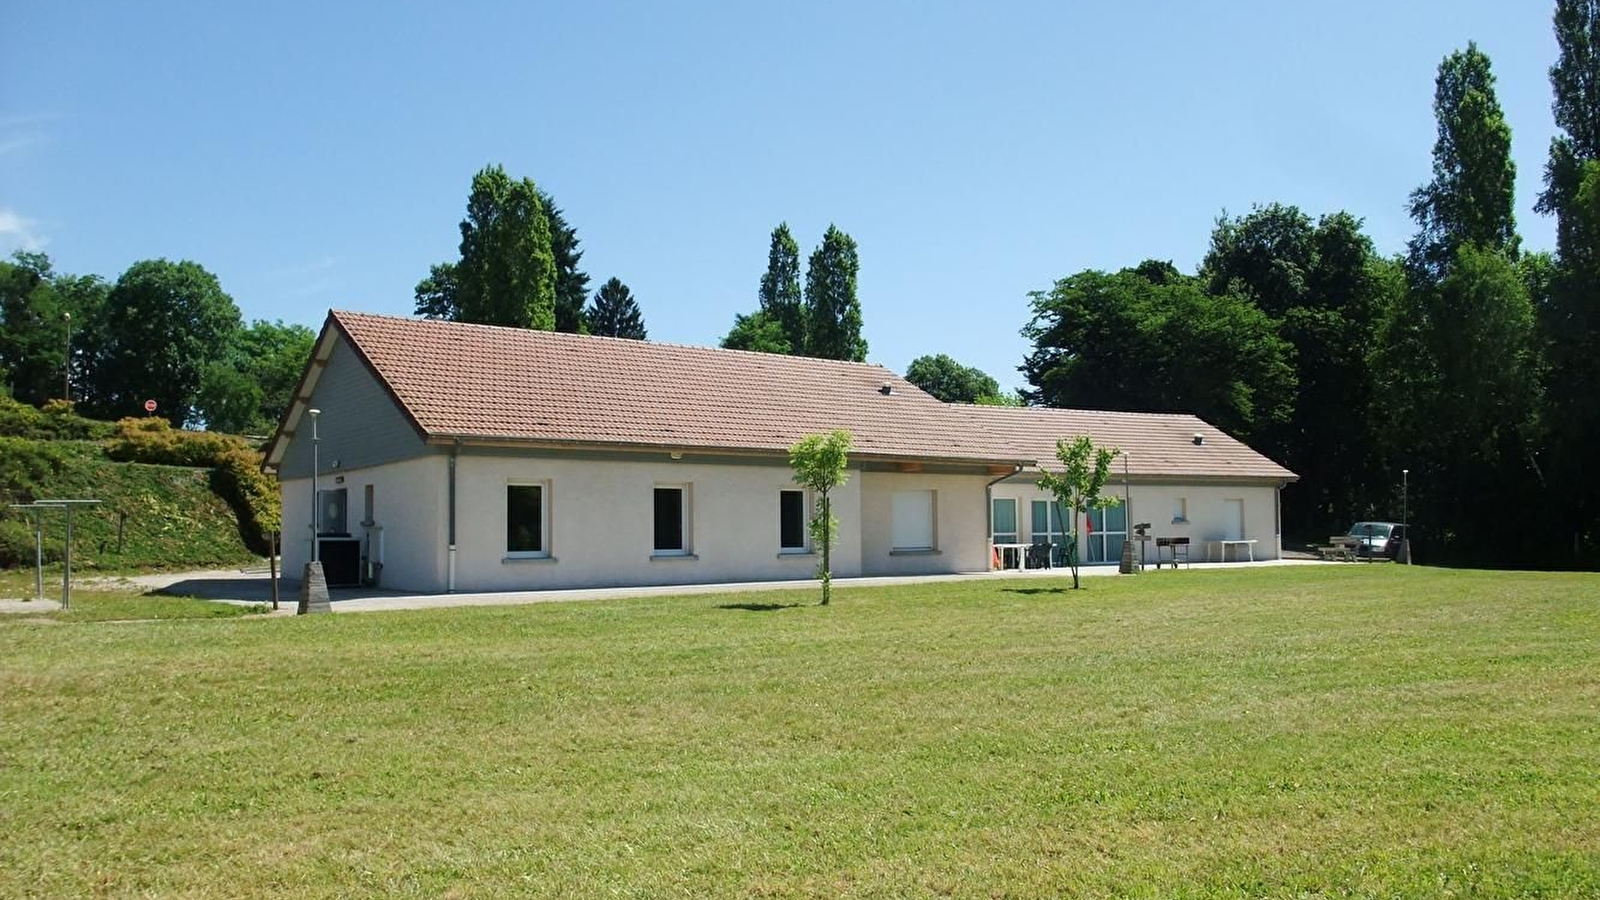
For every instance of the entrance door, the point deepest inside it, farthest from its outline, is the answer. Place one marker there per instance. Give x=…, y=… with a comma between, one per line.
x=1233, y=520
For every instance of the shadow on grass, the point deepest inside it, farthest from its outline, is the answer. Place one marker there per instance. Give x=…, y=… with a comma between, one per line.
x=761, y=607
x=1053, y=590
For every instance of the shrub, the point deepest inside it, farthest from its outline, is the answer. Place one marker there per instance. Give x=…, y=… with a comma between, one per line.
x=236, y=475
x=17, y=547
x=56, y=422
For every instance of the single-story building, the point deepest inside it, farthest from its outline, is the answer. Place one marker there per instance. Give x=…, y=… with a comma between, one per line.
x=1175, y=473
x=471, y=458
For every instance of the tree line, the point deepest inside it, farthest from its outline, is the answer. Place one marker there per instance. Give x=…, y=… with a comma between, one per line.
x=163, y=331
x=1467, y=361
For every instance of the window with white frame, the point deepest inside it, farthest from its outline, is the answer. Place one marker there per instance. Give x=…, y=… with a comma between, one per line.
x=671, y=520
x=1004, y=530
x=1180, y=510
x=792, y=521
x=912, y=527
x=527, y=519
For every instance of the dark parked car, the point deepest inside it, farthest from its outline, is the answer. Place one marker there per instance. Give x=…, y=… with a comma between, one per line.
x=1378, y=539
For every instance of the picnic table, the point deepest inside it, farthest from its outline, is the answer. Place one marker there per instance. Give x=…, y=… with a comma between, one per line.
x=1340, y=547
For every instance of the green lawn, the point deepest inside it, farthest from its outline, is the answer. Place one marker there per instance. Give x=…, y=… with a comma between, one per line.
x=1330, y=731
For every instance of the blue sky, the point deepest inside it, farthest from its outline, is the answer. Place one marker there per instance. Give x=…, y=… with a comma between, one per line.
x=318, y=155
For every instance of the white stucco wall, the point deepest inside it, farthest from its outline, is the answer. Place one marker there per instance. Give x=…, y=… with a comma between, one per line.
x=410, y=505
x=601, y=523
x=961, y=541
x=1156, y=504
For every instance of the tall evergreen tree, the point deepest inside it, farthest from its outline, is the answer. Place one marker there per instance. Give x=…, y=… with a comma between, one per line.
x=1570, y=315
x=1471, y=195
x=833, y=311
x=780, y=287
x=1457, y=361
x=615, y=313
x=507, y=272
x=572, y=283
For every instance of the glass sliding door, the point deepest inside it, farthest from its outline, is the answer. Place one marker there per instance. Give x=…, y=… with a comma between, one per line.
x=1048, y=525
x=1110, y=530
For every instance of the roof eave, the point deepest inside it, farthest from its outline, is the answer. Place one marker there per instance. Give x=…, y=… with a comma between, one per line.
x=551, y=443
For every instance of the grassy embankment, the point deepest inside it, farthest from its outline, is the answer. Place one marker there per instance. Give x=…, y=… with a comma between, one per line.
x=151, y=516
x=1323, y=731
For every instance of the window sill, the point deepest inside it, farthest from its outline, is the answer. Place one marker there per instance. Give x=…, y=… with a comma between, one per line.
x=1180, y=521
x=668, y=557
x=801, y=554
x=519, y=560
x=924, y=552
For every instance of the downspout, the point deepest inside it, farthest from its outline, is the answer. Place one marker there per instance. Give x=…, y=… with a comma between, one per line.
x=988, y=508
x=450, y=576
x=1277, y=517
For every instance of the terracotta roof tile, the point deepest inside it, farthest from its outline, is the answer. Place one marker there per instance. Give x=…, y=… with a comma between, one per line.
x=481, y=381
x=513, y=384
x=1158, y=444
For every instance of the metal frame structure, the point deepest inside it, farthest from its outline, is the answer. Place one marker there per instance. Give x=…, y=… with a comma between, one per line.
x=38, y=508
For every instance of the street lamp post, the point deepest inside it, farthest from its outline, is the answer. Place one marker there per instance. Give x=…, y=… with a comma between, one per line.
x=314, y=587
x=316, y=461
x=66, y=374
x=1405, y=526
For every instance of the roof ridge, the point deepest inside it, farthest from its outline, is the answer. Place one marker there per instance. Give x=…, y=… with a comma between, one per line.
x=423, y=320
x=1081, y=409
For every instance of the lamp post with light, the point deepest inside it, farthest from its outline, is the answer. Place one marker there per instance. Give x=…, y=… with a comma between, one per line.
x=315, y=466
x=1405, y=526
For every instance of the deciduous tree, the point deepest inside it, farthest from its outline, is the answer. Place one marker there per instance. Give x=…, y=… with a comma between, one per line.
x=1084, y=471
x=165, y=322
x=247, y=391
x=821, y=463
x=951, y=381
x=1148, y=339
x=1327, y=288
x=760, y=332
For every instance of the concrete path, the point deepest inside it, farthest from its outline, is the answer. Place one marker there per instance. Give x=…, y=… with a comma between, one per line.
x=234, y=586
x=29, y=606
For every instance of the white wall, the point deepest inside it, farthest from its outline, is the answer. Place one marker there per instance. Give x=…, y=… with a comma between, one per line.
x=961, y=541
x=601, y=524
x=410, y=505
x=1155, y=503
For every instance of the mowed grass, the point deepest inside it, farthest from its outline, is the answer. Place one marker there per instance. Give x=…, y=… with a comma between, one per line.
x=101, y=603
x=1328, y=731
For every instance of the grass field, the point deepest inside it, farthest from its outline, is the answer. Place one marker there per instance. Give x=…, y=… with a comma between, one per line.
x=1327, y=731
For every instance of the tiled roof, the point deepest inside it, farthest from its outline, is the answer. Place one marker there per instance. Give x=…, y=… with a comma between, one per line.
x=1158, y=444
x=487, y=382
x=514, y=384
